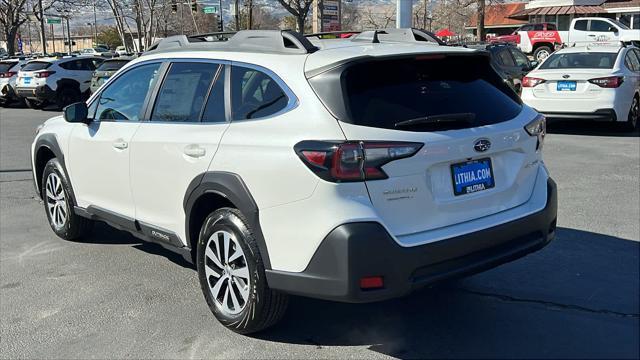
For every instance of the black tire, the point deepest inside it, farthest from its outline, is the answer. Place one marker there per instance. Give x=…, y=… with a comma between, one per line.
x=73, y=226
x=35, y=104
x=67, y=95
x=264, y=307
x=541, y=51
x=634, y=116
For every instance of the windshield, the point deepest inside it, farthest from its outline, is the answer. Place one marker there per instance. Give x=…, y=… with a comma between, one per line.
x=585, y=60
x=384, y=93
x=111, y=65
x=36, y=65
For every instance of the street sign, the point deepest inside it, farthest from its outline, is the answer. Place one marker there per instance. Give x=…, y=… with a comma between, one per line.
x=54, y=21
x=210, y=10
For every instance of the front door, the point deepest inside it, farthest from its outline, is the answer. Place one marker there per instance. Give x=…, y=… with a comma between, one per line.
x=99, y=153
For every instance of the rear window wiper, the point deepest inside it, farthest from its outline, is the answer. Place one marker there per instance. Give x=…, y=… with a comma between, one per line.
x=465, y=118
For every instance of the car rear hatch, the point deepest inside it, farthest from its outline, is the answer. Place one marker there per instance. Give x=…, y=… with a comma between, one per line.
x=27, y=77
x=475, y=158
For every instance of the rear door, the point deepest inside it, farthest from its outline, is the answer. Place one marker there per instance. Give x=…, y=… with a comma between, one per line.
x=578, y=34
x=477, y=124
x=177, y=144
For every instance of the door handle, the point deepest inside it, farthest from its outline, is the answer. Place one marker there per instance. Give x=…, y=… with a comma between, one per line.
x=120, y=144
x=591, y=35
x=194, y=151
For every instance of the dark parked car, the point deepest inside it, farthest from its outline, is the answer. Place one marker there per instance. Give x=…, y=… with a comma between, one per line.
x=106, y=70
x=511, y=63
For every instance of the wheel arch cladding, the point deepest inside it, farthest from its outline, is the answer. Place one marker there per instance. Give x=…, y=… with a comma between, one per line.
x=47, y=148
x=210, y=191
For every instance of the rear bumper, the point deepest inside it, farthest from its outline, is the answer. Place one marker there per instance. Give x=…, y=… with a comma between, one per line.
x=356, y=250
x=41, y=93
x=598, y=115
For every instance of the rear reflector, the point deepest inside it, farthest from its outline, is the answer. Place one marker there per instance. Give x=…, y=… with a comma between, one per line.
x=371, y=282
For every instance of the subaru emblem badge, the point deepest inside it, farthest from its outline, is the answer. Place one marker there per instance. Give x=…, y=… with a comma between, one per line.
x=482, y=145
x=566, y=76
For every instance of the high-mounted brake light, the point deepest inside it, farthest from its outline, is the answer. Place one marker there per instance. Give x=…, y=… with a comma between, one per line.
x=8, y=74
x=531, y=81
x=44, y=74
x=608, y=82
x=349, y=161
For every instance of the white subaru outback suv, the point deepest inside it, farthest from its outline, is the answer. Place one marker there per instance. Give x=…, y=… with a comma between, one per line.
x=61, y=81
x=354, y=172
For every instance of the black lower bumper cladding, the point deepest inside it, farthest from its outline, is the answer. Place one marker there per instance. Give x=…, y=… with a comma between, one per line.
x=353, y=251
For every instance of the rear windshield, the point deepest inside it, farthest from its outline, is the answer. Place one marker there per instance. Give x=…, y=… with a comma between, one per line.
x=586, y=60
x=383, y=93
x=36, y=65
x=4, y=67
x=111, y=65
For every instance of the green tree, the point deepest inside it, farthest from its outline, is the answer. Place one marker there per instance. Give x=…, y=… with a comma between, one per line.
x=110, y=37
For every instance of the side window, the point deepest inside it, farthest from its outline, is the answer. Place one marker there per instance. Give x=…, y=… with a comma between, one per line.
x=68, y=65
x=599, y=26
x=214, y=110
x=505, y=58
x=521, y=59
x=526, y=28
x=123, y=99
x=581, y=25
x=254, y=94
x=631, y=61
x=184, y=91
x=551, y=27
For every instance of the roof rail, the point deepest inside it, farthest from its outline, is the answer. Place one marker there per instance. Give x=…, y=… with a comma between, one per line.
x=398, y=35
x=321, y=35
x=274, y=41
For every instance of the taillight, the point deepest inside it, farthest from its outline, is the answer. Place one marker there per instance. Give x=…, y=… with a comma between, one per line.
x=8, y=74
x=44, y=74
x=348, y=161
x=531, y=81
x=537, y=127
x=608, y=82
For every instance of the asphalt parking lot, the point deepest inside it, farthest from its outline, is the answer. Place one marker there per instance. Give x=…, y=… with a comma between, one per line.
x=114, y=297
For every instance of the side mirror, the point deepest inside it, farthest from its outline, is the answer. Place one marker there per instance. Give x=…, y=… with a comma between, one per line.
x=76, y=113
x=613, y=29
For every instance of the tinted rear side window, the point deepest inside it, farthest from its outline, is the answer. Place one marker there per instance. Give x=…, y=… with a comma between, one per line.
x=4, y=67
x=581, y=25
x=36, y=65
x=112, y=65
x=255, y=94
x=383, y=93
x=585, y=60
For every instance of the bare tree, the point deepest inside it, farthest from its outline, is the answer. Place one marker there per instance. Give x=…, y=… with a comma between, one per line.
x=379, y=17
x=12, y=15
x=299, y=9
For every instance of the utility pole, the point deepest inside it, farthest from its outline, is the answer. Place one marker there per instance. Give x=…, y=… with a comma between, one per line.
x=69, y=34
x=424, y=18
x=181, y=18
x=221, y=26
x=250, y=24
x=403, y=13
x=44, y=37
x=95, y=23
x=237, y=13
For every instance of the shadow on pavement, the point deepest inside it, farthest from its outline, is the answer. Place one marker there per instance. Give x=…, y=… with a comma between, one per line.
x=576, y=298
x=587, y=127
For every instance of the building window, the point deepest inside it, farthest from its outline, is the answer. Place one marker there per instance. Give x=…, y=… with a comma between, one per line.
x=626, y=19
x=563, y=22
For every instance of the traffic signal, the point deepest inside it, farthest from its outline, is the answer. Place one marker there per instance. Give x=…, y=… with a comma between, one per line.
x=194, y=5
x=220, y=26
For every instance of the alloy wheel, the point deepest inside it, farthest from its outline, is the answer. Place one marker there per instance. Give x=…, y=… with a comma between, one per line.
x=542, y=54
x=56, y=201
x=227, y=272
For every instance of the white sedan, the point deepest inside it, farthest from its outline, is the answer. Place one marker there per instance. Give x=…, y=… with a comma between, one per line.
x=596, y=83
